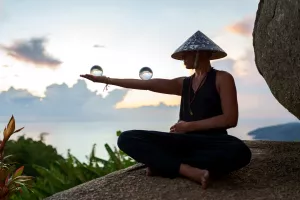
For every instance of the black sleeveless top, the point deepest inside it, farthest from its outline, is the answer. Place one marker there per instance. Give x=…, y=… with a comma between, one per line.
x=206, y=103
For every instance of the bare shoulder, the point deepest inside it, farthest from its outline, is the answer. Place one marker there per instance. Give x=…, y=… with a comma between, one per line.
x=224, y=79
x=224, y=76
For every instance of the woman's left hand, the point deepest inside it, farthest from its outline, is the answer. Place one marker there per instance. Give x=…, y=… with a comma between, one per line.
x=180, y=127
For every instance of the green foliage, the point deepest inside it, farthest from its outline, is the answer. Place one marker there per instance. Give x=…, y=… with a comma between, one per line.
x=70, y=172
x=24, y=151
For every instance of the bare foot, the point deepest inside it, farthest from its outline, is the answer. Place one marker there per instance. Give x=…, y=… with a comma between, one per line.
x=198, y=175
x=150, y=172
x=204, y=178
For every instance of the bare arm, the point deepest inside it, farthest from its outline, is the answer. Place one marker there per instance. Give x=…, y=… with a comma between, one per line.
x=228, y=94
x=165, y=86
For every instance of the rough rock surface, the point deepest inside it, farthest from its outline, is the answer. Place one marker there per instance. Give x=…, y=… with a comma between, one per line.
x=274, y=173
x=276, y=41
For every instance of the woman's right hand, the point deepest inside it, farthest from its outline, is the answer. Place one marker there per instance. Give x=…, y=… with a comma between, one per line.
x=99, y=79
x=172, y=128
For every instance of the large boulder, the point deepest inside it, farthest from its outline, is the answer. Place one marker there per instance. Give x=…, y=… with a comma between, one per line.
x=276, y=41
x=274, y=173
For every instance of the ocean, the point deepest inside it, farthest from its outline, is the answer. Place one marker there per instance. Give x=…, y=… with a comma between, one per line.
x=79, y=137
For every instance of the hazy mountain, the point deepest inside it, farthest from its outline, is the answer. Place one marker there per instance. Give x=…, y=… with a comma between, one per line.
x=281, y=132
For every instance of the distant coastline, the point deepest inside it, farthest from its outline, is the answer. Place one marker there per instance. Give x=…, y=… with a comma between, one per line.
x=281, y=132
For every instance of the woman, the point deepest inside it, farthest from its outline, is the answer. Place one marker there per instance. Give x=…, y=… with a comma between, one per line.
x=198, y=145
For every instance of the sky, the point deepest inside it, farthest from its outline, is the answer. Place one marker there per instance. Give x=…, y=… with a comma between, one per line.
x=46, y=45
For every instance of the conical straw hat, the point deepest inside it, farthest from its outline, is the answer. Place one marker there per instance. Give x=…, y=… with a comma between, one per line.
x=199, y=42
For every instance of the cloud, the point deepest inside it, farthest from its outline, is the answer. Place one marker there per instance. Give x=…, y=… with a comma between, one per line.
x=78, y=103
x=241, y=67
x=32, y=51
x=224, y=64
x=243, y=27
x=98, y=46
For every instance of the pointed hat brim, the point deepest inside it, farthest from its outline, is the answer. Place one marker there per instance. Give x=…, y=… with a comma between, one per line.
x=199, y=42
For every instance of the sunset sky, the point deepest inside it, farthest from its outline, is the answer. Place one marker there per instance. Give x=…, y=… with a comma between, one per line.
x=46, y=45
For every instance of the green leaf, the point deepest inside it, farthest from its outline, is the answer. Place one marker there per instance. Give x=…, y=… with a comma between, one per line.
x=14, y=190
x=52, y=177
x=19, y=183
x=22, y=179
x=18, y=172
x=104, y=162
x=25, y=190
x=92, y=154
x=6, y=157
x=116, y=162
x=119, y=133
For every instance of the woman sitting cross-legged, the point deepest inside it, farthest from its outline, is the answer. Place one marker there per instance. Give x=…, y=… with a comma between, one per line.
x=198, y=145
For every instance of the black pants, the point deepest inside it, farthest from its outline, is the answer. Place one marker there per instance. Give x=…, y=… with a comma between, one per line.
x=164, y=152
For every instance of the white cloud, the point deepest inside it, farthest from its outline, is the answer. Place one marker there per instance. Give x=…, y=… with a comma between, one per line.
x=77, y=103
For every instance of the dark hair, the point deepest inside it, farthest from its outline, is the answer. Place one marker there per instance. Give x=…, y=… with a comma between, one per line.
x=210, y=53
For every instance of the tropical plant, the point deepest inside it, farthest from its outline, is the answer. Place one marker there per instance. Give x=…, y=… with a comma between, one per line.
x=24, y=153
x=11, y=181
x=70, y=172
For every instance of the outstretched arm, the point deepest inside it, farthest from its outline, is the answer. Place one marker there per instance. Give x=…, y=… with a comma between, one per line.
x=165, y=86
x=228, y=95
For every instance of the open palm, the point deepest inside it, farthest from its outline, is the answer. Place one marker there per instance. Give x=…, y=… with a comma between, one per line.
x=92, y=77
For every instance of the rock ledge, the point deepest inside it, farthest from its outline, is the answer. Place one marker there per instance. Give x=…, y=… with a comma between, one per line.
x=274, y=173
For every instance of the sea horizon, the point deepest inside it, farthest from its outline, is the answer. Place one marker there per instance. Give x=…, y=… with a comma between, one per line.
x=79, y=137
